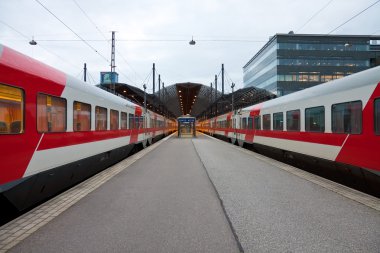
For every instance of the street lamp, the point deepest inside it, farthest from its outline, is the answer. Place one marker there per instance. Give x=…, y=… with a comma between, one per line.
x=33, y=42
x=192, y=42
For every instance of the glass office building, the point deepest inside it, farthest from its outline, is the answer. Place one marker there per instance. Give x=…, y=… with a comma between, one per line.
x=292, y=62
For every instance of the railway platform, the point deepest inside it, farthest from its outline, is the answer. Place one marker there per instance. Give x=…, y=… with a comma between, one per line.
x=199, y=195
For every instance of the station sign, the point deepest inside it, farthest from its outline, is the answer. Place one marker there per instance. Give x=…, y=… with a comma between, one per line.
x=186, y=120
x=109, y=77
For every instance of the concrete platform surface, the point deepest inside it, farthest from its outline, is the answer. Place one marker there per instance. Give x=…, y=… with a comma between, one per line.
x=164, y=202
x=272, y=210
x=205, y=195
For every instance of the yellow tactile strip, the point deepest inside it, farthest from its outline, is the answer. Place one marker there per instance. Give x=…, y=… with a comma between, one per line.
x=345, y=191
x=17, y=230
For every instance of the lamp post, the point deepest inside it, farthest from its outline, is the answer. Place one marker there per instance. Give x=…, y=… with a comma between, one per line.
x=144, y=86
x=232, y=105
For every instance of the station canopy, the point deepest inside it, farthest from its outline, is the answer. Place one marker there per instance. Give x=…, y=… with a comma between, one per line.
x=194, y=99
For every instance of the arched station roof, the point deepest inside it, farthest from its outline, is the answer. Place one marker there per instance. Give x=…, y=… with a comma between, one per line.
x=190, y=98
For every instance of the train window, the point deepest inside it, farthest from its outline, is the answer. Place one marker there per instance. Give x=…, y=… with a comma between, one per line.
x=377, y=116
x=266, y=122
x=137, y=122
x=131, y=121
x=315, y=119
x=11, y=110
x=250, y=123
x=293, y=120
x=51, y=114
x=81, y=116
x=347, y=117
x=278, y=121
x=114, y=120
x=100, y=118
x=257, y=122
x=244, y=123
x=124, y=120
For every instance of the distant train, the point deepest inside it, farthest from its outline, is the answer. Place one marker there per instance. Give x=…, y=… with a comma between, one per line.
x=56, y=130
x=335, y=125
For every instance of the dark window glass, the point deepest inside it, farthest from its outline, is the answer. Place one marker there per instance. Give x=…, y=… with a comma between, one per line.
x=266, y=121
x=278, y=121
x=347, y=117
x=293, y=120
x=244, y=123
x=11, y=110
x=51, y=113
x=131, y=121
x=377, y=116
x=100, y=118
x=250, y=123
x=124, y=120
x=81, y=117
x=315, y=119
x=257, y=122
x=114, y=120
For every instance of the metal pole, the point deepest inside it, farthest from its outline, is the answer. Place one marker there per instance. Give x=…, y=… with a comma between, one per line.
x=154, y=78
x=113, y=62
x=144, y=86
x=222, y=79
x=232, y=87
x=85, y=73
x=216, y=94
x=159, y=87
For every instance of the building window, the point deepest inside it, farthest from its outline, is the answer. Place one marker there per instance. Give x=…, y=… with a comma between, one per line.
x=124, y=120
x=51, y=114
x=315, y=119
x=293, y=120
x=11, y=110
x=377, y=116
x=81, y=116
x=100, y=118
x=278, y=121
x=257, y=122
x=347, y=117
x=114, y=120
x=266, y=121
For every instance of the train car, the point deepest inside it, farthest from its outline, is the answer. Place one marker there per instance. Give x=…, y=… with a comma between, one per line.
x=56, y=131
x=335, y=125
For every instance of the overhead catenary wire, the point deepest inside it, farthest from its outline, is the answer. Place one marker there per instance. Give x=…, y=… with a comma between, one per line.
x=105, y=38
x=345, y=22
x=39, y=45
x=314, y=15
x=76, y=34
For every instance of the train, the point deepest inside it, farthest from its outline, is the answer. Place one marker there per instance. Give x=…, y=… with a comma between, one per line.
x=333, y=126
x=56, y=131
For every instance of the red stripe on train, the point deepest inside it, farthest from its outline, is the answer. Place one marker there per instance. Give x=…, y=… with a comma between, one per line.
x=33, y=76
x=363, y=150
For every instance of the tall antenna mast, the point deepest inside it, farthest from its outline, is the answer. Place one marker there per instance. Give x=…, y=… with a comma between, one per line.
x=113, y=53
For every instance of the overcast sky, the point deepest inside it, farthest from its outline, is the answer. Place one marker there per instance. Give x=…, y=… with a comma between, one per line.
x=225, y=31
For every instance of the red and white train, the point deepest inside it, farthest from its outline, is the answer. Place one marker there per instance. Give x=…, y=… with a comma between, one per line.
x=56, y=130
x=335, y=124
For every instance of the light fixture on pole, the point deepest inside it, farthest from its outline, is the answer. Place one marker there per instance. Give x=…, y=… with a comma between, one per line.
x=192, y=42
x=33, y=42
